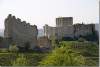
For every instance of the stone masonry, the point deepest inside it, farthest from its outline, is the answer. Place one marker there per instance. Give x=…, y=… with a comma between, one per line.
x=20, y=32
x=66, y=28
x=44, y=42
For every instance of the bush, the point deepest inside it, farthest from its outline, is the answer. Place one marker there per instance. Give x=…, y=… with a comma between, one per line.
x=6, y=59
x=63, y=57
x=68, y=55
x=81, y=40
x=20, y=61
x=25, y=48
x=13, y=48
x=28, y=59
x=91, y=37
x=67, y=39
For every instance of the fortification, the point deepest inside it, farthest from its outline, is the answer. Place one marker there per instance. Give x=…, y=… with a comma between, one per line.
x=64, y=21
x=66, y=28
x=20, y=32
x=83, y=29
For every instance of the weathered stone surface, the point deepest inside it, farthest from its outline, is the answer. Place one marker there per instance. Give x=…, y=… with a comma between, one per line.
x=66, y=28
x=20, y=32
x=44, y=42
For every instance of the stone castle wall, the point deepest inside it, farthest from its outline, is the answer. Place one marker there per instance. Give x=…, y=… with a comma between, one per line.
x=66, y=28
x=64, y=21
x=20, y=32
x=83, y=29
x=44, y=42
x=51, y=31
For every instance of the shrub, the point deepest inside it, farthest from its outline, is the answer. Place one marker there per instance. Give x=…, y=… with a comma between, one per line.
x=13, y=48
x=6, y=59
x=20, y=61
x=63, y=57
x=27, y=59
x=81, y=39
x=67, y=39
x=67, y=55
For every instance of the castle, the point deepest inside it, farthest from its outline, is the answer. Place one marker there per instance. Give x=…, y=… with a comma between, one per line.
x=20, y=33
x=66, y=28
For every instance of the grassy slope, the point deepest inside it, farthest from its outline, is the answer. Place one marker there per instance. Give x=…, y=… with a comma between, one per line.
x=87, y=49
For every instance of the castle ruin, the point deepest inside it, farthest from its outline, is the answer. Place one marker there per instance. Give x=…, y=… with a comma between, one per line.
x=20, y=32
x=66, y=28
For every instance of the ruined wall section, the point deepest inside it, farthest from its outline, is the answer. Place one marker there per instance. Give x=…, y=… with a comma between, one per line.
x=8, y=27
x=50, y=32
x=20, y=31
x=65, y=32
x=83, y=29
x=66, y=28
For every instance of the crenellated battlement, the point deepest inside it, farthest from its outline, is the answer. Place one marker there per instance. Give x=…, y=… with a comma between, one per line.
x=19, y=21
x=20, y=31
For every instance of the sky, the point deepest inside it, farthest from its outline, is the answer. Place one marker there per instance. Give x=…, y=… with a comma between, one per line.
x=41, y=12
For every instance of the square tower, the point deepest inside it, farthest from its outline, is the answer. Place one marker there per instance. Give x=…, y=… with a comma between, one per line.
x=64, y=21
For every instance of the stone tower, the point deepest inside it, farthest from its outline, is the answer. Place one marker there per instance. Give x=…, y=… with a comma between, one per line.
x=20, y=32
x=64, y=21
x=64, y=27
x=8, y=26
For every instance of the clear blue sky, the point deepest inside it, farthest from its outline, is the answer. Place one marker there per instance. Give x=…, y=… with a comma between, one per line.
x=40, y=12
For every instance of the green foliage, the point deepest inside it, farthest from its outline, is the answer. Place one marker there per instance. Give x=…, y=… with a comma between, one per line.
x=93, y=49
x=67, y=39
x=63, y=57
x=6, y=59
x=25, y=48
x=91, y=37
x=28, y=59
x=85, y=48
x=68, y=53
x=72, y=53
x=92, y=62
x=20, y=61
x=13, y=48
x=81, y=39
